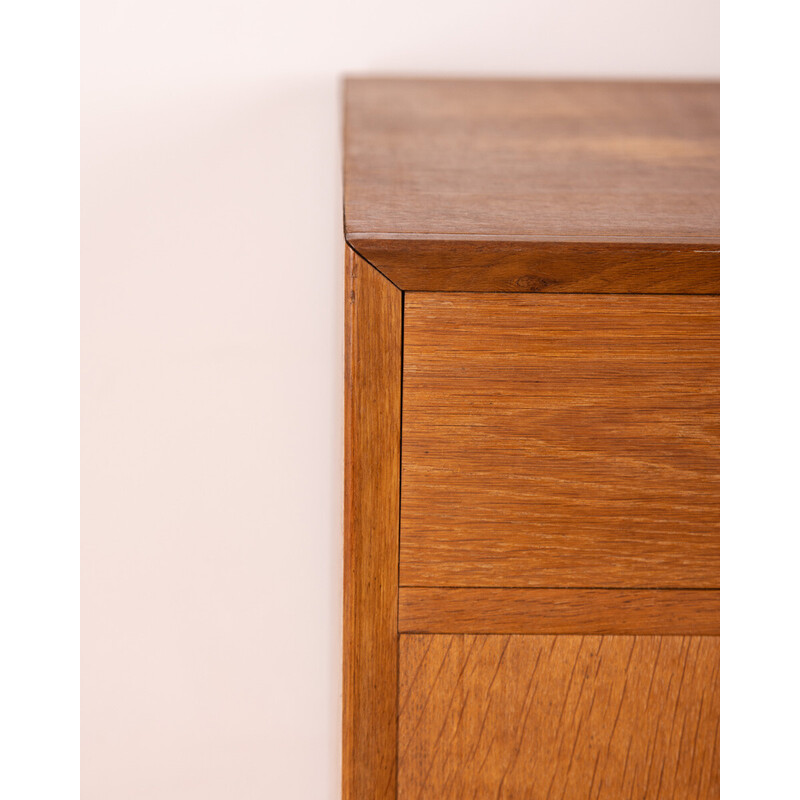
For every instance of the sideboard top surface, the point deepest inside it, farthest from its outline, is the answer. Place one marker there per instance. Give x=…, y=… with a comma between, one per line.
x=486, y=168
x=511, y=158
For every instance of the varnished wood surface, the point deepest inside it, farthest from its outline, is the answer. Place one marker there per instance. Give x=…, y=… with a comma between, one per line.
x=560, y=441
x=541, y=717
x=521, y=185
x=451, y=265
x=561, y=611
x=373, y=333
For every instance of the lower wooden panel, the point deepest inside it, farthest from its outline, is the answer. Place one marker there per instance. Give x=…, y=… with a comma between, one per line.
x=558, y=717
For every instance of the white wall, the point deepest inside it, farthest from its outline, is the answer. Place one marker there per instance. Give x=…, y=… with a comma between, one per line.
x=212, y=356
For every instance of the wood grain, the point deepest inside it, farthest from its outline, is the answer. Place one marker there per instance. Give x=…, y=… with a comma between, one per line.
x=517, y=185
x=541, y=717
x=560, y=441
x=447, y=265
x=562, y=611
x=373, y=342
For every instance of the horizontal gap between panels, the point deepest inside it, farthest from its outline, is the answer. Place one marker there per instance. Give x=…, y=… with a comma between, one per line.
x=567, y=588
x=551, y=293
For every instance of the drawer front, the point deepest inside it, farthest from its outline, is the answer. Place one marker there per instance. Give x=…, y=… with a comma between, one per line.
x=560, y=441
x=559, y=716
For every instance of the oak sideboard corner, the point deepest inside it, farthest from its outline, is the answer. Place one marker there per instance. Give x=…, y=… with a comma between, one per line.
x=531, y=520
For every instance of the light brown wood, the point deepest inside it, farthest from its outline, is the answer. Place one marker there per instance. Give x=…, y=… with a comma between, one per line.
x=514, y=185
x=560, y=441
x=373, y=333
x=568, y=611
x=541, y=717
x=560, y=430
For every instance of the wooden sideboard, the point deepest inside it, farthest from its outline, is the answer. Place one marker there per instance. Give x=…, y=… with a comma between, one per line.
x=531, y=558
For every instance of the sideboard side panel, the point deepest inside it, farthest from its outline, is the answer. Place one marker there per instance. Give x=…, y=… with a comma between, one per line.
x=373, y=353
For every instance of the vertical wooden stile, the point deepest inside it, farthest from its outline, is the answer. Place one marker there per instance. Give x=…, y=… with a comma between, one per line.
x=373, y=352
